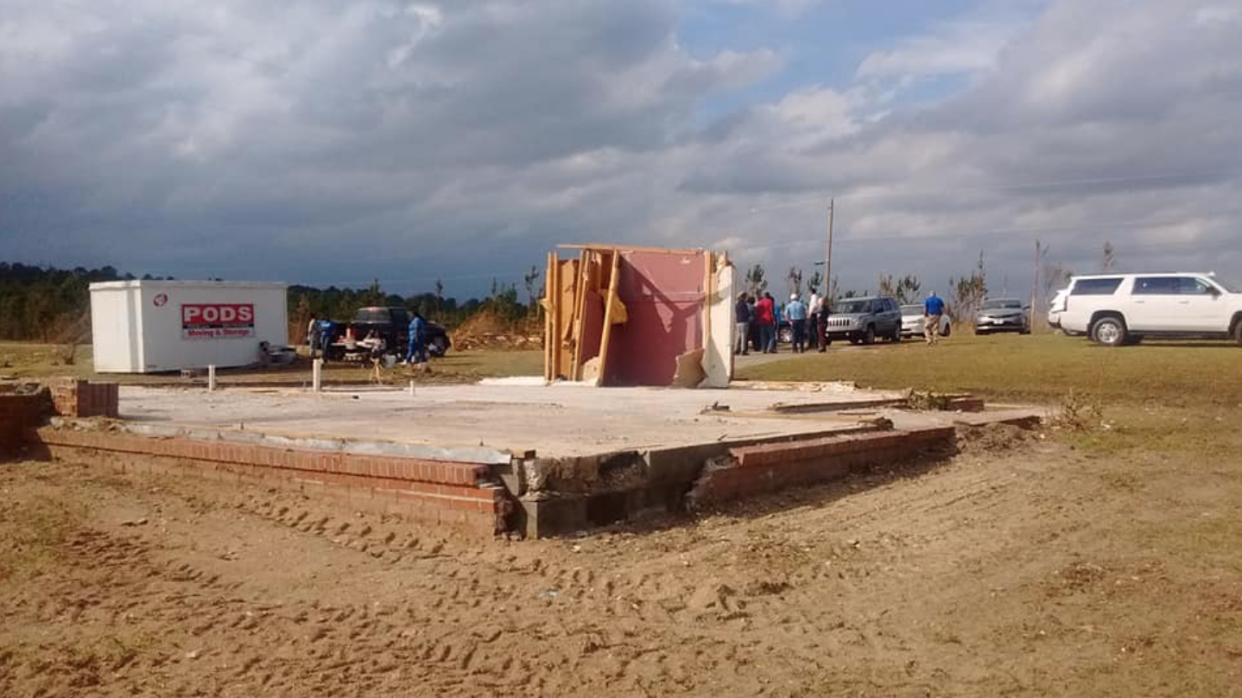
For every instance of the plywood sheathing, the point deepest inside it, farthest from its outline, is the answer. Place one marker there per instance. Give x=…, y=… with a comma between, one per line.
x=630, y=312
x=718, y=349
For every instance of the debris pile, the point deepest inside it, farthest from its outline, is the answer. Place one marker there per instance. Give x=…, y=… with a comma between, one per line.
x=487, y=330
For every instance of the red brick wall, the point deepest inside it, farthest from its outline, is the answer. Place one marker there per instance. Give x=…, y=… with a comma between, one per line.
x=754, y=470
x=79, y=398
x=460, y=495
x=17, y=414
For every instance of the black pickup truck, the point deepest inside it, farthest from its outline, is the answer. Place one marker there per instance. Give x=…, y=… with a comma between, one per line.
x=391, y=323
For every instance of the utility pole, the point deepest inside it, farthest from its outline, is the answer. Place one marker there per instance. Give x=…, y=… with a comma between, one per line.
x=828, y=256
x=1039, y=253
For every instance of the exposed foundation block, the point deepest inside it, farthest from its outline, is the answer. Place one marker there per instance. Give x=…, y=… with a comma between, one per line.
x=754, y=470
x=571, y=495
x=459, y=495
x=79, y=398
x=19, y=412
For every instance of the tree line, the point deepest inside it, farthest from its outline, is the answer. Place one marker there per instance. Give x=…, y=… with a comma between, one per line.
x=48, y=304
x=51, y=305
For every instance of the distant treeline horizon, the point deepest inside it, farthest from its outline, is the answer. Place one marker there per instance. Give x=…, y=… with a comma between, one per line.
x=48, y=304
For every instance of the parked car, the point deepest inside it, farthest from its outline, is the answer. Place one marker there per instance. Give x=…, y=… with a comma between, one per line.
x=393, y=324
x=1056, y=307
x=1117, y=309
x=912, y=322
x=1002, y=315
x=862, y=320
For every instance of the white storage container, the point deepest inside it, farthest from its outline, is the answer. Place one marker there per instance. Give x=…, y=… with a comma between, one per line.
x=153, y=326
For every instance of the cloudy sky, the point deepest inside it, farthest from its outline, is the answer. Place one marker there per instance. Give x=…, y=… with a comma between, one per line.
x=326, y=142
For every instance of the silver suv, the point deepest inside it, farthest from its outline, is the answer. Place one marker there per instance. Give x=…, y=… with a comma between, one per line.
x=861, y=320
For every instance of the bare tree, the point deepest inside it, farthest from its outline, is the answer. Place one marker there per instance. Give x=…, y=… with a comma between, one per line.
x=816, y=280
x=1109, y=260
x=794, y=279
x=886, y=286
x=969, y=292
x=1052, y=277
x=755, y=283
x=908, y=288
x=532, y=282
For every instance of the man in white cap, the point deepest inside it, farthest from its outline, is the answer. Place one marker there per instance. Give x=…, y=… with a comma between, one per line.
x=795, y=313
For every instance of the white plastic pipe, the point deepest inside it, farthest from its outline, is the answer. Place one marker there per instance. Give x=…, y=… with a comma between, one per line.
x=211, y=378
x=317, y=375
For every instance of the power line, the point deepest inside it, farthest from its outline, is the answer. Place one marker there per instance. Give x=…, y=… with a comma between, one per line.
x=946, y=234
x=862, y=195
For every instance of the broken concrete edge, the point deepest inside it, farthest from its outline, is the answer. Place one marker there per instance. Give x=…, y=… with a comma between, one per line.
x=558, y=496
x=462, y=454
x=814, y=407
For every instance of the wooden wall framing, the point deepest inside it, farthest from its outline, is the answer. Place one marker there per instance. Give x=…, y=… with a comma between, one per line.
x=587, y=314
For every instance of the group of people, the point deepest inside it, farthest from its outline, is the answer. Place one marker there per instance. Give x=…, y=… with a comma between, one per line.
x=320, y=334
x=808, y=322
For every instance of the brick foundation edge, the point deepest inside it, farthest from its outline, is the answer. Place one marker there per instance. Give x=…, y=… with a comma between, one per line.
x=460, y=496
x=752, y=470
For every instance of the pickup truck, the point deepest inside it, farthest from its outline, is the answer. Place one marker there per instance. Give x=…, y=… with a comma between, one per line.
x=393, y=324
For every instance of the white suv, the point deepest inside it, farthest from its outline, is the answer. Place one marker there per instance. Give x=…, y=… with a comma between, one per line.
x=1116, y=309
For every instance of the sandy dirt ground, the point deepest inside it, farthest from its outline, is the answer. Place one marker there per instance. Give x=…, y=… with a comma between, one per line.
x=1011, y=570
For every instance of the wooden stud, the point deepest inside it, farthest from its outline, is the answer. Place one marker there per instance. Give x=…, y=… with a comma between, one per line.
x=614, y=286
x=551, y=291
x=580, y=294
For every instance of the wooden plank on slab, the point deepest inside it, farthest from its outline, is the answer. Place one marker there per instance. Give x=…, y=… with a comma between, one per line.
x=580, y=294
x=551, y=296
x=610, y=303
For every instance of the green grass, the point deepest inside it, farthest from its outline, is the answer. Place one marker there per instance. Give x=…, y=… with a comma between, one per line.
x=33, y=361
x=1034, y=368
x=1177, y=398
x=493, y=363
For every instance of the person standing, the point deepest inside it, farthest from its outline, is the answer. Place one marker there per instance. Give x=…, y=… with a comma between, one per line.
x=327, y=330
x=812, y=321
x=765, y=317
x=312, y=334
x=795, y=313
x=418, y=339
x=741, y=319
x=752, y=331
x=821, y=326
x=933, y=309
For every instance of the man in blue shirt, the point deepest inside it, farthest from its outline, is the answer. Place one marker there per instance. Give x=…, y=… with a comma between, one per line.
x=418, y=339
x=933, y=308
x=327, y=329
x=795, y=313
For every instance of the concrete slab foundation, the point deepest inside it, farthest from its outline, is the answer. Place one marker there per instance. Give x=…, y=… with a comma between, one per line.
x=539, y=460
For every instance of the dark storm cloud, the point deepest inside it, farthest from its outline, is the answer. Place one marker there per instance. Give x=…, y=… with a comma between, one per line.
x=323, y=142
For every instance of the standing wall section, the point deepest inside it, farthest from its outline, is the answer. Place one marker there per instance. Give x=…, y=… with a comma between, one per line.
x=663, y=295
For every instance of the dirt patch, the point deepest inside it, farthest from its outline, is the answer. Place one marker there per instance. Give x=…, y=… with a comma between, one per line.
x=994, y=438
x=1021, y=573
